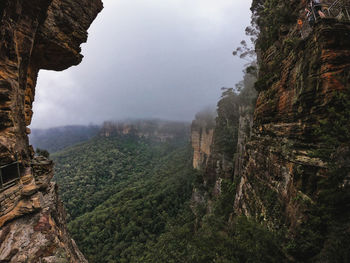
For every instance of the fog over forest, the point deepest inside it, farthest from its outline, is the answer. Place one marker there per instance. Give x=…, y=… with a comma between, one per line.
x=147, y=59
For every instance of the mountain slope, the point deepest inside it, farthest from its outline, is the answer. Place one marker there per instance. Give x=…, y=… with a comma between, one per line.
x=121, y=191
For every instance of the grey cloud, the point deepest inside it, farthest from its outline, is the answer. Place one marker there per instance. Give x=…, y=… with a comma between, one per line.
x=147, y=59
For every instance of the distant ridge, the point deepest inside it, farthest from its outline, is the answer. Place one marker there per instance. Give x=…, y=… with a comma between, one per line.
x=155, y=129
x=58, y=138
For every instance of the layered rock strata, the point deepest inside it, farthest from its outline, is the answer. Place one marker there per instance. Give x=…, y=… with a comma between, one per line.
x=297, y=164
x=282, y=163
x=292, y=164
x=33, y=224
x=34, y=35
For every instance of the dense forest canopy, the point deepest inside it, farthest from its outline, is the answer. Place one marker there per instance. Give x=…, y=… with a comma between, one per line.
x=129, y=200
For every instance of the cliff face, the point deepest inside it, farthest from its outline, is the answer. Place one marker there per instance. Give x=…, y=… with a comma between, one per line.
x=295, y=171
x=201, y=139
x=244, y=133
x=292, y=119
x=292, y=168
x=202, y=132
x=40, y=34
x=34, y=35
x=209, y=155
x=156, y=130
x=219, y=143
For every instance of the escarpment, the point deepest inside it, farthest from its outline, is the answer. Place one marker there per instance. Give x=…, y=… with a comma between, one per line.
x=219, y=139
x=34, y=35
x=201, y=140
x=298, y=156
x=292, y=170
x=42, y=34
x=300, y=114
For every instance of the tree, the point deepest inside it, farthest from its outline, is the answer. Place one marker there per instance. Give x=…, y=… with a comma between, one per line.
x=42, y=152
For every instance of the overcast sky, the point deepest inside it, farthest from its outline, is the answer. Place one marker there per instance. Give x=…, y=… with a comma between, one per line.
x=147, y=59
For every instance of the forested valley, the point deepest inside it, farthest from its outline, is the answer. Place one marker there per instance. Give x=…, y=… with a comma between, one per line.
x=131, y=199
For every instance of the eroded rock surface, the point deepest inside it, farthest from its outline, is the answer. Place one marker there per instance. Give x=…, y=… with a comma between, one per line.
x=34, y=35
x=292, y=163
x=201, y=139
x=294, y=175
x=33, y=229
x=283, y=153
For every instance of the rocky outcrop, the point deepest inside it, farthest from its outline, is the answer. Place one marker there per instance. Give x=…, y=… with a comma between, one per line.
x=202, y=132
x=33, y=224
x=201, y=139
x=219, y=142
x=34, y=35
x=40, y=34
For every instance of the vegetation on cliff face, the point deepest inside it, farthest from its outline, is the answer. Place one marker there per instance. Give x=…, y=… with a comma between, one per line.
x=296, y=171
x=232, y=109
x=228, y=108
x=296, y=175
x=269, y=17
x=326, y=233
x=226, y=129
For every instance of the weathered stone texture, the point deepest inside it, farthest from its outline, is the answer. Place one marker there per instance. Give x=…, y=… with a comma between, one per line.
x=40, y=235
x=34, y=35
x=281, y=167
x=201, y=139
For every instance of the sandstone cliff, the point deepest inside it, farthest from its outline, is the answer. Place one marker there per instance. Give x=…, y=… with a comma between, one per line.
x=32, y=220
x=201, y=140
x=219, y=142
x=34, y=35
x=292, y=170
x=298, y=156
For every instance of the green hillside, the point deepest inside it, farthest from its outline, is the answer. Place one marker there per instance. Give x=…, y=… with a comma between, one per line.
x=121, y=191
x=129, y=200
